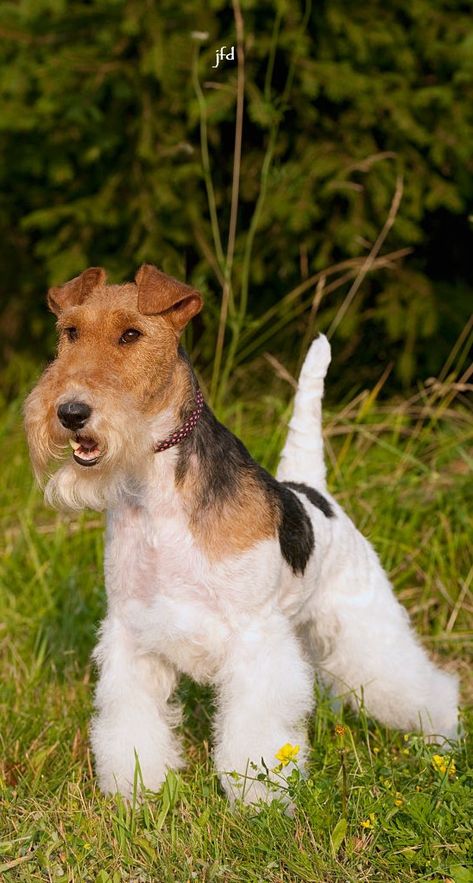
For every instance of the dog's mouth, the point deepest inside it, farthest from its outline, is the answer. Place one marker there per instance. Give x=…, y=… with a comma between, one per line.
x=85, y=450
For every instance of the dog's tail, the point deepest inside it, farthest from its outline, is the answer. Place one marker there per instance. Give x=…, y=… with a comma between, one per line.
x=302, y=459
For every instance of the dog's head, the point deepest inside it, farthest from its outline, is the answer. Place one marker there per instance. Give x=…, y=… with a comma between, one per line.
x=113, y=386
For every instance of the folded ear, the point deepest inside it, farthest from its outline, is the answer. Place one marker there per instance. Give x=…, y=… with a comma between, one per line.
x=162, y=295
x=75, y=291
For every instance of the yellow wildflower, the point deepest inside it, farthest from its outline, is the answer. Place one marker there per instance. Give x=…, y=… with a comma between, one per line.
x=399, y=800
x=369, y=822
x=340, y=729
x=376, y=750
x=443, y=763
x=287, y=753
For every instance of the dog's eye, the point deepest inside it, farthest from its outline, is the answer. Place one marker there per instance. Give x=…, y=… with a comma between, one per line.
x=130, y=335
x=72, y=333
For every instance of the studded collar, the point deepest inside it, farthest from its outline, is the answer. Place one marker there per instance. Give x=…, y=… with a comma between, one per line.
x=185, y=429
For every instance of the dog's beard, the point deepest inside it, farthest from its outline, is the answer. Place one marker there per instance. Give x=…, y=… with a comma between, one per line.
x=74, y=487
x=125, y=449
x=119, y=442
x=123, y=458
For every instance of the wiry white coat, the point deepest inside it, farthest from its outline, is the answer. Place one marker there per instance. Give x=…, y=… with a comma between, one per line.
x=251, y=627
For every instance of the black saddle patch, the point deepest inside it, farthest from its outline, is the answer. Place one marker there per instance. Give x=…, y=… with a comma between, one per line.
x=296, y=534
x=317, y=499
x=223, y=460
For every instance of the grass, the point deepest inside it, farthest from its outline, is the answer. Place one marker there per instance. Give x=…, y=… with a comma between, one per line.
x=376, y=807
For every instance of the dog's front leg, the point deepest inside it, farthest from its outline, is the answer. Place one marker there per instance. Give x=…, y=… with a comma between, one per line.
x=265, y=692
x=133, y=721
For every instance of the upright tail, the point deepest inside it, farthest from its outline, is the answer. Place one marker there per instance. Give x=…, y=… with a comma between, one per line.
x=302, y=458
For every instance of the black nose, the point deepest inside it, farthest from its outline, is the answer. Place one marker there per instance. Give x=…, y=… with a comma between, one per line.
x=73, y=415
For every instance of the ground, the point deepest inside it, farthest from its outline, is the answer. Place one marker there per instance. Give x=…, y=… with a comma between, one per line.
x=377, y=806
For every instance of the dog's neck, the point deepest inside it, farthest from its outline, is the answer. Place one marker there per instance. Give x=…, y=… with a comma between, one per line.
x=210, y=477
x=169, y=432
x=180, y=406
x=185, y=429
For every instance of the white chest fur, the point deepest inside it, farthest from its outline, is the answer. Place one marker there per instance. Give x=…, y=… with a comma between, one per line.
x=173, y=599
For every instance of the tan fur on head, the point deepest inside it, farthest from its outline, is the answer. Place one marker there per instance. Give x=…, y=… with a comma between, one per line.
x=135, y=388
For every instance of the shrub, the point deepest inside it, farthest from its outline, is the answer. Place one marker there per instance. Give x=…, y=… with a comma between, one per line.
x=104, y=104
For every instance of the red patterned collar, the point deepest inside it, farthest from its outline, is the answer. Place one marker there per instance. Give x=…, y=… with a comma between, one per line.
x=187, y=427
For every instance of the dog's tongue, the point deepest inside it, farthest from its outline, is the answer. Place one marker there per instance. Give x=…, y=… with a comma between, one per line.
x=84, y=448
x=88, y=444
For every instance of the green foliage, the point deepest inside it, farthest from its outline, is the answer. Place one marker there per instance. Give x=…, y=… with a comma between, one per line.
x=101, y=162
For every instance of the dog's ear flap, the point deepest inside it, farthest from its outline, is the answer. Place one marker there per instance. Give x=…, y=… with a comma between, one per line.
x=75, y=291
x=162, y=295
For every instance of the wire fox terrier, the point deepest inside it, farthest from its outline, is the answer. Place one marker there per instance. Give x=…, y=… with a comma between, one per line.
x=212, y=566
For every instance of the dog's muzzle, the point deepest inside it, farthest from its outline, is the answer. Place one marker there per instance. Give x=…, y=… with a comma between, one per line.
x=74, y=416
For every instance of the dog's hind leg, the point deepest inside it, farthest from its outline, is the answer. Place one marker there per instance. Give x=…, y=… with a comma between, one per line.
x=302, y=459
x=369, y=653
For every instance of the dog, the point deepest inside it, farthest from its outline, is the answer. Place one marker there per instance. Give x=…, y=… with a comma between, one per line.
x=213, y=567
